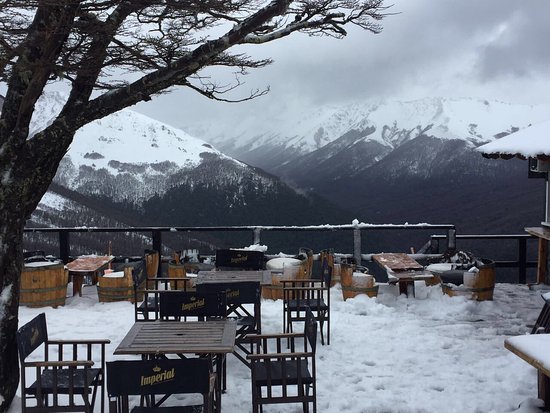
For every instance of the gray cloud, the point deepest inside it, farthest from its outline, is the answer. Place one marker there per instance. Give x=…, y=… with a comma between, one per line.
x=489, y=49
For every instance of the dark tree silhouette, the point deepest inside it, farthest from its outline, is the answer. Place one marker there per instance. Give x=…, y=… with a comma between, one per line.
x=89, y=45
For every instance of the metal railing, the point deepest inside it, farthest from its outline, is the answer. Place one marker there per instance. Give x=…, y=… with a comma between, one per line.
x=521, y=263
x=449, y=237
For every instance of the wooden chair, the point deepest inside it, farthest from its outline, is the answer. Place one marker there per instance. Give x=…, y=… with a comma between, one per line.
x=542, y=325
x=285, y=376
x=147, y=295
x=301, y=295
x=230, y=259
x=178, y=305
x=160, y=377
x=244, y=305
x=68, y=371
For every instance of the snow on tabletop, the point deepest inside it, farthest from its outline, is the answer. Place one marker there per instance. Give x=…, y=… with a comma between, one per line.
x=117, y=274
x=41, y=263
x=279, y=263
x=534, y=346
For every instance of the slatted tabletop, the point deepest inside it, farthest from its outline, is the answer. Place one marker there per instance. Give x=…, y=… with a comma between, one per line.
x=89, y=263
x=397, y=262
x=175, y=337
x=209, y=277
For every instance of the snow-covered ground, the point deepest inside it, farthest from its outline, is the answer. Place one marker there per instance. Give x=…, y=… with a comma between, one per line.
x=388, y=354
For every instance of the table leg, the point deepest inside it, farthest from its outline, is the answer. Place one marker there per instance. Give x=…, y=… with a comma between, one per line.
x=406, y=287
x=544, y=390
x=77, y=284
x=542, y=266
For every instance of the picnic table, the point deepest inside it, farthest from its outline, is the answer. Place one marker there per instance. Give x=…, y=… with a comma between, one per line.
x=86, y=266
x=402, y=270
x=533, y=348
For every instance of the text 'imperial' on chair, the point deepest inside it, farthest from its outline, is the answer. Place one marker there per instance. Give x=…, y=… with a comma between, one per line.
x=163, y=378
x=70, y=371
x=285, y=375
x=234, y=259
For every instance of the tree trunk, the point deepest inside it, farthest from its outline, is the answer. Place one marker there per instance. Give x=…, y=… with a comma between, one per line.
x=11, y=258
x=19, y=197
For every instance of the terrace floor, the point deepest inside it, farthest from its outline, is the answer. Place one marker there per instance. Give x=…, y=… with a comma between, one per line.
x=388, y=354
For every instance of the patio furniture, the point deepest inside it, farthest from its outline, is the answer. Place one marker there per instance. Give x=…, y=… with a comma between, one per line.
x=86, y=266
x=158, y=377
x=243, y=305
x=147, y=295
x=533, y=348
x=178, y=305
x=285, y=376
x=66, y=372
x=212, y=339
x=301, y=296
x=542, y=325
x=234, y=259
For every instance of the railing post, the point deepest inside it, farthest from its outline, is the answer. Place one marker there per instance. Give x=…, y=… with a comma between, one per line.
x=522, y=258
x=357, y=245
x=434, y=245
x=157, y=246
x=64, y=249
x=257, y=232
x=451, y=239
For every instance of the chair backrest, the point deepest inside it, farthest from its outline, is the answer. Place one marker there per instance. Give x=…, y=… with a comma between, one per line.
x=241, y=292
x=32, y=335
x=239, y=259
x=310, y=329
x=542, y=325
x=160, y=376
x=192, y=304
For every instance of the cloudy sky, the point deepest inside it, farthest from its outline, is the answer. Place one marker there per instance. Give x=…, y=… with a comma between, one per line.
x=490, y=49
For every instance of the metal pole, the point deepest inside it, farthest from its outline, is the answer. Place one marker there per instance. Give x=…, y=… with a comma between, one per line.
x=64, y=247
x=257, y=232
x=357, y=245
x=522, y=258
x=451, y=239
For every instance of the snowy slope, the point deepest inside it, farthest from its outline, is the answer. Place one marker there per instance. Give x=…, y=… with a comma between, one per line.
x=126, y=156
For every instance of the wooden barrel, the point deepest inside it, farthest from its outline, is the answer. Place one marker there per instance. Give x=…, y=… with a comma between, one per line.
x=43, y=284
x=152, y=263
x=360, y=284
x=283, y=269
x=346, y=273
x=176, y=270
x=116, y=286
x=478, y=285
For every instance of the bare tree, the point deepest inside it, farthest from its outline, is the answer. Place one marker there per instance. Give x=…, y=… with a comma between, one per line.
x=92, y=46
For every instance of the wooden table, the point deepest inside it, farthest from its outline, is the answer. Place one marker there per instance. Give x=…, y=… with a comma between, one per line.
x=543, y=234
x=533, y=349
x=214, y=338
x=210, y=277
x=403, y=270
x=86, y=265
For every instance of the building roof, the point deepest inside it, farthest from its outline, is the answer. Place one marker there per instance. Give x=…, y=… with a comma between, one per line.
x=531, y=142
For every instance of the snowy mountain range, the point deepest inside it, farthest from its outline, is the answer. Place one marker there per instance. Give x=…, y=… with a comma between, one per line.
x=384, y=125
x=389, y=162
